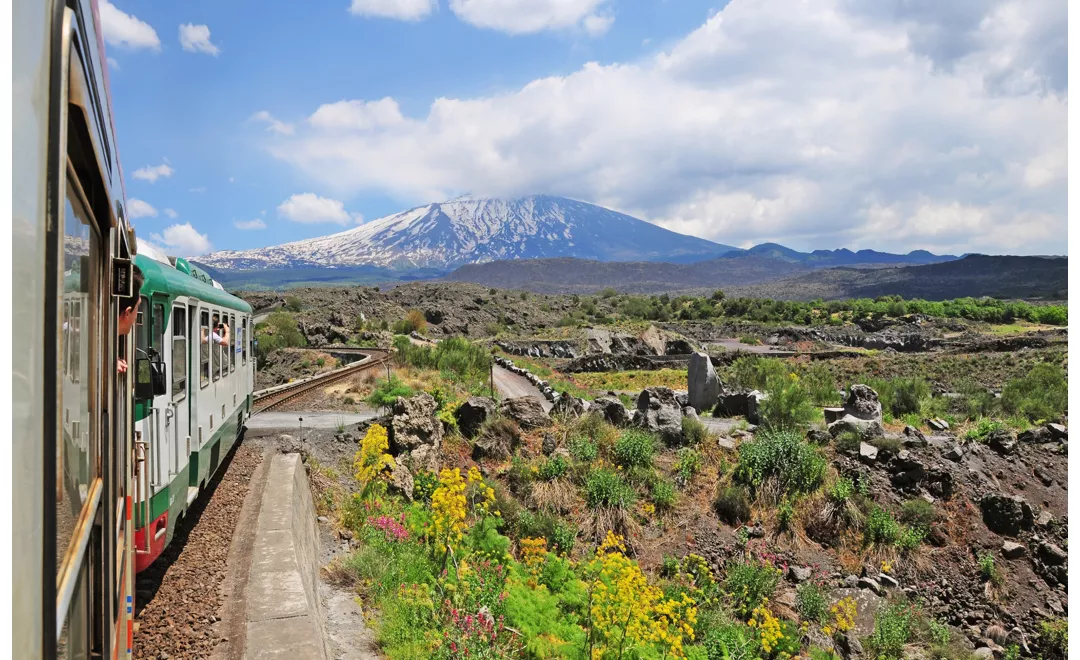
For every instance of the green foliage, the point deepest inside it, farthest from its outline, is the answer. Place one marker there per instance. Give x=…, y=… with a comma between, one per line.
x=919, y=514
x=694, y=432
x=939, y=632
x=888, y=443
x=811, y=602
x=663, y=494
x=731, y=640
x=753, y=373
x=424, y=484
x=559, y=534
x=583, y=449
x=841, y=490
x=820, y=385
x=1041, y=395
x=894, y=625
x=747, y=584
x=293, y=304
x=783, y=457
x=635, y=448
x=605, y=487
x=788, y=404
x=988, y=570
x=688, y=464
x=910, y=538
x=280, y=330
x=552, y=468
x=907, y=395
x=732, y=505
x=456, y=359
x=1054, y=638
x=387, y=391
x=848, y=442
x=881, y=528
x=975, y=401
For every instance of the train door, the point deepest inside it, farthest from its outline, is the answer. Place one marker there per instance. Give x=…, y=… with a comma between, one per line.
x=178, y=423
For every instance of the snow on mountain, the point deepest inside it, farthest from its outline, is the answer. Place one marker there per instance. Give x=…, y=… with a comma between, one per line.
x=475, y=230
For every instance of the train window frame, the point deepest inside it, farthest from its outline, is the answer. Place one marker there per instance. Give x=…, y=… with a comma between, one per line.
x=204, y=348
x=179, y=334
x=232, y=344
x=157, y=332
x=243, y=340
x=215, y=347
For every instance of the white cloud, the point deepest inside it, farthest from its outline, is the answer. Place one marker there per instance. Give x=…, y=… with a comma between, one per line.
x=196, y=39
x=113, y=64
x=137, y=208
x=257, y=223
x=183, y=239
x=404, y=10
x=523, y=16
x=152, y=173
x=124, y=30
x=273, y=125
x=310, y=208
x=171, y=213
x=773, y=120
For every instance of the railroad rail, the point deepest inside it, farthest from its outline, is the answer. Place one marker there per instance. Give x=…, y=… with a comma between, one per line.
x=273, y=397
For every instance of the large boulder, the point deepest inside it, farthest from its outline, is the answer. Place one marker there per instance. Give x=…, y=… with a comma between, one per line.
x=612, y=409
x=1002, y=441
x=472, y=414
x=1006, y=514
x=866, y=428
x=526, y=411
x=753, y=406
x=401, y=482
x=862, y=403
x=732, y=404
x=414, y=424
x=569, y=405
x=659, y=411
x=701, y=382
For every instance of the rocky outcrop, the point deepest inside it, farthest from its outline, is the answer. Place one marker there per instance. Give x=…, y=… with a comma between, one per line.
x=414, y=424
x=702, y=384
x=864, y=427
x=862, y=403
x=540, y=349
x=1006, y=514
x=613, y=410
x=569, y=405
x=526, y=411
x=401, y=482
x=659, y=411
x=472, y=414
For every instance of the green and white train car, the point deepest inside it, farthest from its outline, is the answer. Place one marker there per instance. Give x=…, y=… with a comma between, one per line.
x=196, y=415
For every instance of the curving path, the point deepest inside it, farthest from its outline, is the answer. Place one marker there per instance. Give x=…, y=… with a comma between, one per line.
x=511, y=385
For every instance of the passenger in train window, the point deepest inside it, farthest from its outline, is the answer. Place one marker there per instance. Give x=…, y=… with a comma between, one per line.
x=129, y=311
x=220, y=333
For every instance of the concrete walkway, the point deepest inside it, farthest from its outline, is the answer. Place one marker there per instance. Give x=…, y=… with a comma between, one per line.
x=284, y=613
x=511, y=385
x=312, y=420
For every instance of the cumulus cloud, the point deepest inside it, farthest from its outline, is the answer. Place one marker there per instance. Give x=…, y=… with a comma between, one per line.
x=248, y=225
x=273, y=125
x=523, y=16
x=152, y=173
x=310, y=208
x=171, y=213
x=403, y=10
x=183, y=239
x=137, y=208
x=814, y=123
x=196, y=39
x=124, y=30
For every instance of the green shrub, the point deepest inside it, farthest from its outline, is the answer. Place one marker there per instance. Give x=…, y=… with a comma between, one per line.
x=848, y=441
x=687, y=466
x=754, y=373
x=983, y=428
x=888, y=443
x=293, y=304
x=894, y=624
x=694, y=432
x=605, y=487
x=583, y=449
x=635, y=448
x=820, y=385
x=1053, y=638
x=939, y=633
x=788, y=404
x=1043, y=394
x=975, y=401
x=559, y=534
x=731, y=640
x=747, y=584
x=811, y=602
x=907, y=395
x=881, y=528
x=388, y=390
x=732, y=505
x=783, y=457
x=841, y=489
x=919, y=514
x=988, y=570
x=424, y=484
x=910, y=538
x=663, y=494
x=552, y=468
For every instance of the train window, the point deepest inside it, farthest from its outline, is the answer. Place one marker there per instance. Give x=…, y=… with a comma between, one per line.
x=179, y=352
x=243, y=340
x=77, y=468
x=234, y=344
x=204, y=348
x=157, y=337
x=215, y=346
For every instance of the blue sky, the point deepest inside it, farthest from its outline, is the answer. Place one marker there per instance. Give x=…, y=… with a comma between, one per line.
x=815, y=124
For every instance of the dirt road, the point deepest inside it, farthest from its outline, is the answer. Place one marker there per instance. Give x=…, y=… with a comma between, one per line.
x=511, y=385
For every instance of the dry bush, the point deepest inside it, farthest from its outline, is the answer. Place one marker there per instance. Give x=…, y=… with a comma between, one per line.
x=556, y=496
x=596, y=522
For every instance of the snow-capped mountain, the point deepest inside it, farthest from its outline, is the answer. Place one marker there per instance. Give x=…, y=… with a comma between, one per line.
x=469, y=229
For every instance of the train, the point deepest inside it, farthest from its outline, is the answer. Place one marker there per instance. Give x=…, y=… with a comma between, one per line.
x=200, y=396
x=105, y=460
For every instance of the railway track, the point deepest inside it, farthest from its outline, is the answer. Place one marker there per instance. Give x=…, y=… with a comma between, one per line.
x=273, y=397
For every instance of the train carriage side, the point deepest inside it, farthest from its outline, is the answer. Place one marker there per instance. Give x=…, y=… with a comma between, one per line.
x=188, y=429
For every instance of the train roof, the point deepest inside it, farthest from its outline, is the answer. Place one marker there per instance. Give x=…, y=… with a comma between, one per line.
x=177, y=278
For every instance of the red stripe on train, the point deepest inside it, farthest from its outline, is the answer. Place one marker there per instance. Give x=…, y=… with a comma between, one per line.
x=157, y=543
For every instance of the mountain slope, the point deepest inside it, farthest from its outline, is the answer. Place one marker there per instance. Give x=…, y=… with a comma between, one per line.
x=845, y=257
x=475, y=230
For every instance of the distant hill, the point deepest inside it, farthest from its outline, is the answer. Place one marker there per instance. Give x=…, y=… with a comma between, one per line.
x=845, y=257
x=974, y=275
x=772, y=277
